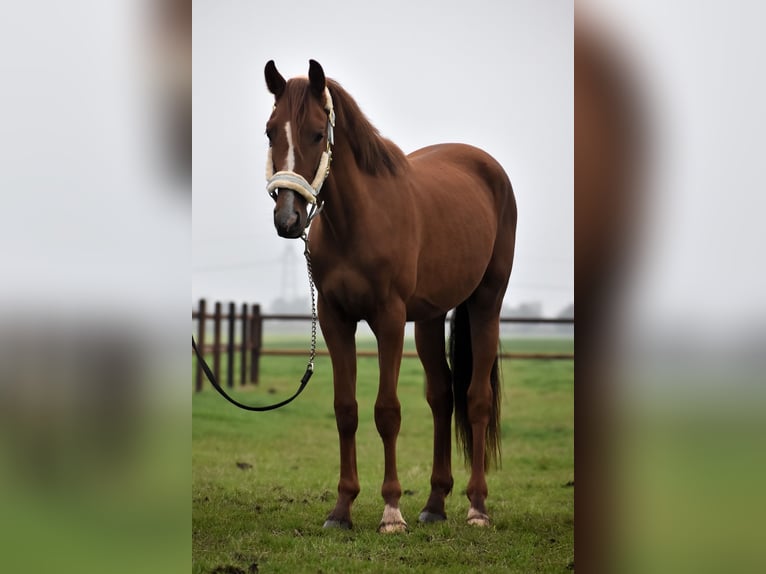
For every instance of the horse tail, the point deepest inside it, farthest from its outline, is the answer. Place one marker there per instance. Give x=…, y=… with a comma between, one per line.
x=461, y=364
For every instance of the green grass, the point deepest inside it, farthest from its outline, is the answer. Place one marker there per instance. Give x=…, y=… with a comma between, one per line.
x=272, y=513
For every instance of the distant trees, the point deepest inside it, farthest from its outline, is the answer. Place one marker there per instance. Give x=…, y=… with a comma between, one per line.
x=534, y=309
x=567, y=312
x=528, y=309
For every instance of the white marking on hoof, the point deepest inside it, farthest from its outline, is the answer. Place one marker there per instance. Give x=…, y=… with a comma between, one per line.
x=477, y=518
x=392, y=521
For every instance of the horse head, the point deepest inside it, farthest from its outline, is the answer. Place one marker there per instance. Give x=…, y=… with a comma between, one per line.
x=300, y=138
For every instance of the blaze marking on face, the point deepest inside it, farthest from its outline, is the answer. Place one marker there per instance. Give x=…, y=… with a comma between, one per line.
x=290, y=149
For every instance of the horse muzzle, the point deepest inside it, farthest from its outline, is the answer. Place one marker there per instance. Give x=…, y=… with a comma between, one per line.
x=290, y=214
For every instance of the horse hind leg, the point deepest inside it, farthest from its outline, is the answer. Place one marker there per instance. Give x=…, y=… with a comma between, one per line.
x=429, y=338
x=481, y=407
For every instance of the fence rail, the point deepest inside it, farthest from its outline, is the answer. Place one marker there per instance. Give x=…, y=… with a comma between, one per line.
x=246, y=322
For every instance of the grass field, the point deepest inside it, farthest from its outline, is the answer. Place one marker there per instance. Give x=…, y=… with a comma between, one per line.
x=264, y=482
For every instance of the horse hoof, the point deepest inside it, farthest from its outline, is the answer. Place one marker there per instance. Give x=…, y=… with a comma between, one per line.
x=340, y=524
x=427, y=517
x=392, y=527
x=392, y=520
x=476, y=518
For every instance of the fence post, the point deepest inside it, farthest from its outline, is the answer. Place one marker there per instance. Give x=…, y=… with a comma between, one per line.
x=256, y=330
x=243, y=348
x=201, y=313
x=230, y=345
x=217, y=341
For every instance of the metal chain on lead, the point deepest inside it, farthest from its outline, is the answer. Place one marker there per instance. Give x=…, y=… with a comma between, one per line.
x=312, y=353
x=309, y=368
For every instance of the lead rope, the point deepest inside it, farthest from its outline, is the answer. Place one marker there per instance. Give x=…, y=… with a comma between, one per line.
x=312, y=353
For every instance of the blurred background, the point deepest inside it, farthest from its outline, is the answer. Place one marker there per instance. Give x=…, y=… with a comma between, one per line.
x=669, y=281
x=95, y=181
x=95, y=110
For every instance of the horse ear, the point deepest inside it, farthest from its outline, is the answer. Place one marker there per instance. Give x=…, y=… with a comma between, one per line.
x=316, y=79
x=274, y=80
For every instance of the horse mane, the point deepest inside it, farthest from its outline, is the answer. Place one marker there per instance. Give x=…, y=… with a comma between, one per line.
x=373, y=153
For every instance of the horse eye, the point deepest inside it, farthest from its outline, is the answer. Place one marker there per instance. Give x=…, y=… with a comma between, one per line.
x=318, y=137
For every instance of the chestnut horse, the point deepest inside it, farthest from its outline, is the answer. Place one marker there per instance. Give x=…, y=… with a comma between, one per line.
x=397, y=238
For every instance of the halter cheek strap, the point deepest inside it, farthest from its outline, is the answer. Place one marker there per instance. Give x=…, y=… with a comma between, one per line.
x=295, y=181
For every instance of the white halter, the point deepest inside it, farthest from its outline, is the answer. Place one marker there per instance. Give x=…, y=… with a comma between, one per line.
x=295, y=181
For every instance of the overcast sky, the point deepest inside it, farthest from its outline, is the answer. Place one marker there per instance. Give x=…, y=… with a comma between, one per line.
x=498, y=75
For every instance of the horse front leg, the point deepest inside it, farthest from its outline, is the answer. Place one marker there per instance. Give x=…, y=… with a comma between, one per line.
x=389, y=331
x=339, y=337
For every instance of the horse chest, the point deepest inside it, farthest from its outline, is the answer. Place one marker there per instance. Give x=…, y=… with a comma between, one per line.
x=348, y=289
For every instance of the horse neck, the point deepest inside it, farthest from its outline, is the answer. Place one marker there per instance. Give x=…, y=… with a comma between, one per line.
x=345, y=195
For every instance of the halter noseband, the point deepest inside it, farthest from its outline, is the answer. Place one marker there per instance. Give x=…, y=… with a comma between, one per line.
x=295, y=181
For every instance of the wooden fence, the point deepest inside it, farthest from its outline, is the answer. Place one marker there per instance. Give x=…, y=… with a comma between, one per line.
x=243, y=342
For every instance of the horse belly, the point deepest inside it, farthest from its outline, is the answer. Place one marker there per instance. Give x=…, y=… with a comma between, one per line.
x=450, y=267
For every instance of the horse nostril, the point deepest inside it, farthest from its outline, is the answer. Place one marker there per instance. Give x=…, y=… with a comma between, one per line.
x=289, y=216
